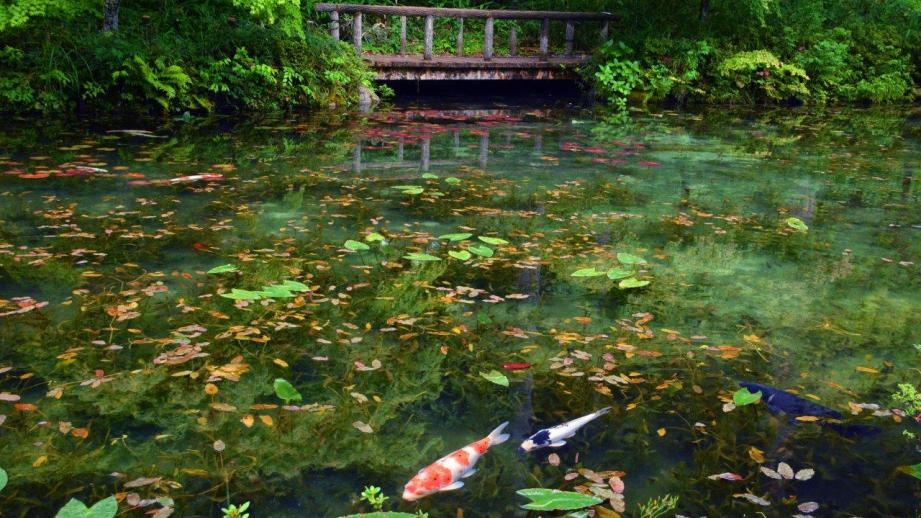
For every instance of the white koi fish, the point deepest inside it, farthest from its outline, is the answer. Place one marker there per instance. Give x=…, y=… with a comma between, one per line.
x=555, y=436
x=445, y=473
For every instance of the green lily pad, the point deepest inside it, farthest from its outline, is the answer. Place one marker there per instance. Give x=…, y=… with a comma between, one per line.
x=482, y=251
x=295, y=286
x=626, y=258
x=587, y=272
x=286, y=391
x=224, y=268
x=409, y=189
x=276, y=291
x=238, y=294
x=913, y=470
x=74, y=508
x=496, y=377
x=452, y=179
x=463, y=255
x=429, y=176
x=743, y=397
x=632, y=282
x=3, y=478
x=555, y=500
x=492, y=240
x=356, y=246
x=415, y=256
x=619, y=273
x=797, y=224
x=374, y=236
x=460, y=236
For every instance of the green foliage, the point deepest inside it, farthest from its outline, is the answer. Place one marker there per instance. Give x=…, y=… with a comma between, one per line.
x=374, y=496
x=658, y=507
x=555, y=500
x=759, y=75
x=616, y=76
x=909, y=398
x=232, y=511
x=285, y=391
x=4, y=478
x=76, y=509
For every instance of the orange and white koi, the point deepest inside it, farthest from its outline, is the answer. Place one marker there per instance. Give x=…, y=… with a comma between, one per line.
x=445, y=473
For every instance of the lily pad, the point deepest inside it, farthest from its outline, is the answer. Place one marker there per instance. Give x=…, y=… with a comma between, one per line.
x=587, y=272
x=626, y=258
x=619, y=273
x=224, y=268
x=463, y=255
x=429, y=176
x=460, y=236
x=496, y=377
x=374, y=236
x=632, y=282
x=356, y=246
x=238, y=294
x=797, y=224
x=74, y=508
x=3, y=478
x=276, y=291
x=482, y=251
x=295, y=286
x=415, y=256
x=555, y=500
x=492, y=240
x=286, y=391
x=913, y=470
x=743, y=397
x=452, y=180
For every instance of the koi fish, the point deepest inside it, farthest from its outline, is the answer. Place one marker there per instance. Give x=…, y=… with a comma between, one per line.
x=781, y=401
x=205, y=177
x=555, y=436
x=445, y=473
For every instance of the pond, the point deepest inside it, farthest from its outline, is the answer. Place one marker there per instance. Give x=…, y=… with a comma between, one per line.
x=399, y=269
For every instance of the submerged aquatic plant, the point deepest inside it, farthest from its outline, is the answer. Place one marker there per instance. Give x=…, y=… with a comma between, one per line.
x=374, y=496
x=658, y=507
x=233, y=511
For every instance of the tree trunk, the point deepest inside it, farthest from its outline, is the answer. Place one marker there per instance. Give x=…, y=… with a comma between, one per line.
x=110, y=15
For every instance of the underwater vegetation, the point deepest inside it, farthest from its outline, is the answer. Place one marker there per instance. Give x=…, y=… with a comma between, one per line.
x=354, y=299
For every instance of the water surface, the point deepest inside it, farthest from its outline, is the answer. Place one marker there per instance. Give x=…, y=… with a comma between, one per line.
x=132, y=370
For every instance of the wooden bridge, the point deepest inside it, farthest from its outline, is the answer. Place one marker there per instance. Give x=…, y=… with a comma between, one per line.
x=429, y=66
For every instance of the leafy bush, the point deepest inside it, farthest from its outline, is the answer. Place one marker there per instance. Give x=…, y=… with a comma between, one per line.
x=616, y=75
x=758, y=76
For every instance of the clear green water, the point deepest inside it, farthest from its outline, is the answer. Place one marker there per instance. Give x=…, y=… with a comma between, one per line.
x=117, y=363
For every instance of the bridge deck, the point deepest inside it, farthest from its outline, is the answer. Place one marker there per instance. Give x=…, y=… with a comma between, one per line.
x=397, y=67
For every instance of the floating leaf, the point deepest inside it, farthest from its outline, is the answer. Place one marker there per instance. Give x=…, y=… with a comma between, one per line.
x=632, y=282
x=785, y=470
x=429, y=176
x=555, y=500
x=913, y=470
x=363, y=427
x=356, y=246
x=808, y=507
x=771, y=473
x=496, y=377
x=224, y=268
x=619, y=273
x=76, y=509
x=4, y=478
x=409, y=189
x=492, y=240
x=295, y=286
x=753, y=499
x=804, y=474
x=463, y=255
x=374, y=236
x=587, y=272
x=238, y=294
x=797, y=224
x=452, y=180
x=743, y=397
x=482, y=251
x=415, y=256
x=460, y=236
x=285, y=391
x=626, y=258
x=276, y=291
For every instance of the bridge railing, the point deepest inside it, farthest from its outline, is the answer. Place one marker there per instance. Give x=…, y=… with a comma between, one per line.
x=430, y=13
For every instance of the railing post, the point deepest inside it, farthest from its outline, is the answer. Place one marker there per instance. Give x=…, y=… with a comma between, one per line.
x=487, y=45
x=426, y=154
x=544, y=38
x=513, y=41
x=604, y=31
x=334, y=24
x=429, y=30
x=460, y=39
x=402, y=35
x=570, y=36
x=356, y=32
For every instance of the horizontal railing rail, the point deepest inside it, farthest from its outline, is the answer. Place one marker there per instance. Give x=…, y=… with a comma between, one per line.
x=429, y=13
